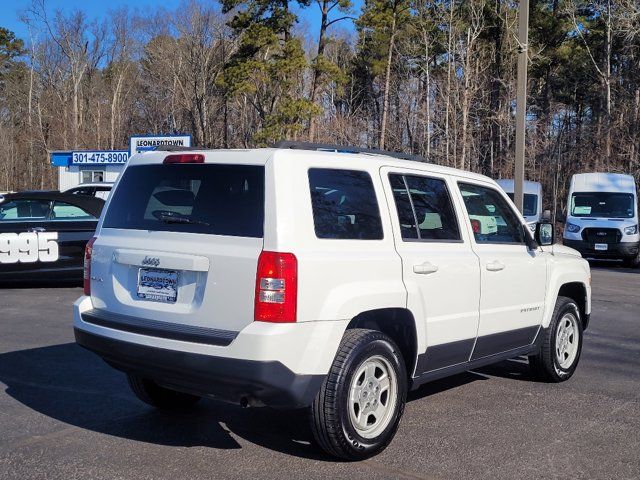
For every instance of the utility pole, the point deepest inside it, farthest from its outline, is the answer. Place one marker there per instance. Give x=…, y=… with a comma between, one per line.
x=521, y=103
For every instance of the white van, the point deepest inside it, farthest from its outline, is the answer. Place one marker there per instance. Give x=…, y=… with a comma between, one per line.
x=532, y=200
x=602, y=216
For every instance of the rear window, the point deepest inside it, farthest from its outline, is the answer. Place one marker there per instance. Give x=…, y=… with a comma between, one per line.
x=64, y=211
x=202, y=198
x=344, y=204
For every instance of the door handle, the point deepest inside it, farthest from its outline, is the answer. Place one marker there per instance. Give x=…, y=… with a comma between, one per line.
x=36, y=229
x=425, y=268
x=495, y=266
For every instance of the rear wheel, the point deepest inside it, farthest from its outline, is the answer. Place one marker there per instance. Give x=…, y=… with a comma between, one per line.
x=562, y=343
x=160, y=397
x=358, y=408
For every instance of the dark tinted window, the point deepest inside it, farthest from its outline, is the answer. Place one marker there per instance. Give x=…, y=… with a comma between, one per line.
x=24, y=210
x=212, y=199
x=492, y=219
x=424, y=208
x=344, y=204
x=530, y=203
x=408, y=227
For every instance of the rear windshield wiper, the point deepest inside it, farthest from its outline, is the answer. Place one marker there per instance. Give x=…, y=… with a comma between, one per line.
x=172, y=217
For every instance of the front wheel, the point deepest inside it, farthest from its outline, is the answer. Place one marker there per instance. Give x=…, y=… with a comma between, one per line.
x=631, y=262
x=561, y=344
x=357, y=411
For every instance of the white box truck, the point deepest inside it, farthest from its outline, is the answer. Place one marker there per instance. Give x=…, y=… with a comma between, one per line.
x=602, y=217
x=532, y=200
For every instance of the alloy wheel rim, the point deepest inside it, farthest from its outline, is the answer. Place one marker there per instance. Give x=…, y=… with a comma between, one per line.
x=567, y=340
x=372, y=397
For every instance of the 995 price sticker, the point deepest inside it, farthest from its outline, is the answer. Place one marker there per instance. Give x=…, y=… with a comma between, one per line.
x=29, y=247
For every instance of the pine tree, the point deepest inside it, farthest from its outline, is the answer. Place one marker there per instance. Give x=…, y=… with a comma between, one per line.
x=10, y=48
x=268, y=67
x=379, y=26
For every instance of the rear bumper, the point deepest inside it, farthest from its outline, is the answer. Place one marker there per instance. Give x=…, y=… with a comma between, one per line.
x=614, y=250
x=229, y=379
x=276, y=364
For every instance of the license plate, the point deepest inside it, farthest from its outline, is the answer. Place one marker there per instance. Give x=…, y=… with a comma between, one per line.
x=158, y=285
x=601, y=246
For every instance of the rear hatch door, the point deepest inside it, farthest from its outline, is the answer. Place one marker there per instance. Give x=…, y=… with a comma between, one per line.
x=180, y=244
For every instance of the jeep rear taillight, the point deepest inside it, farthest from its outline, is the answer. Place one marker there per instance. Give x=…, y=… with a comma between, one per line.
x=86, y=275
x=475, y=226
x=276, y=296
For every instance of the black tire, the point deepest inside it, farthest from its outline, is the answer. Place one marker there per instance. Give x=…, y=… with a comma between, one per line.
x=631, y=262
x=331, y=424
x=546, y=364
x=160, y=397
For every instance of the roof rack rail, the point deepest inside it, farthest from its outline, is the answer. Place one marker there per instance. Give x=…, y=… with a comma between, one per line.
x=328, y=147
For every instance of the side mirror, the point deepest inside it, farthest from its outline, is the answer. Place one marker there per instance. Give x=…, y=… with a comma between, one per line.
x=545, y=234
x=546, y=216
x=560, y=217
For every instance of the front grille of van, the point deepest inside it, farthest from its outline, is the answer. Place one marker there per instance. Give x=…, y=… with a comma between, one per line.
x=602, y=235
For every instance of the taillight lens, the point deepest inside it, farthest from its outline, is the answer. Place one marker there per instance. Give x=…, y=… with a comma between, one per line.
x=475, y=225
x=184, y=158
x=276, y=287
x=86, y=276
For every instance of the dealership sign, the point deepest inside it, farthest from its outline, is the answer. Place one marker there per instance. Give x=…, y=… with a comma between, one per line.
x=99, y=157
x=89, y=157
x=138, y=143
x=143, y=143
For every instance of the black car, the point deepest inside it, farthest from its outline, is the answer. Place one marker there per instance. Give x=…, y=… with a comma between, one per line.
x=43, y=234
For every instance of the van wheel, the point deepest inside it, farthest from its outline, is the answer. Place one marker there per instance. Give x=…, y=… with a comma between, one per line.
x=631, y=262
x=160, y=397
x=561, y=345
x=357, y=411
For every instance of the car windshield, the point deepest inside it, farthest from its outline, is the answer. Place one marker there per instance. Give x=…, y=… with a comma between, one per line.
x=602, y=204
x=530, y=204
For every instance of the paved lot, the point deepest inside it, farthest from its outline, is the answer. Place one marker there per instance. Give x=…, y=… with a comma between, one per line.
x=65, y=414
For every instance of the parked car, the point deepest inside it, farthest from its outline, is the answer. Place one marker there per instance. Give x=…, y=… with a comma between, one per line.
x=43, y=234
x=602, y=217
x=100, y=190
x=532, y=202
x=334, y=281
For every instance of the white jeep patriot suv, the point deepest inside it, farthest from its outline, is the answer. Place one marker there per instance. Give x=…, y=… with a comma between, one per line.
x=333, y=280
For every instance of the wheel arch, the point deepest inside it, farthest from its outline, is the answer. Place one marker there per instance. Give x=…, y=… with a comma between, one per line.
x=399, y=324
x=576, y=291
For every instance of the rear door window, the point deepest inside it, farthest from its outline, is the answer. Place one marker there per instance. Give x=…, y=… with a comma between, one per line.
x=425, y=209
x=204, y=198
x=344, y=204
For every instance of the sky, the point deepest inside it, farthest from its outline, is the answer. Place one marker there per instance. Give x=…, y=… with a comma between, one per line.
x=10, y=11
